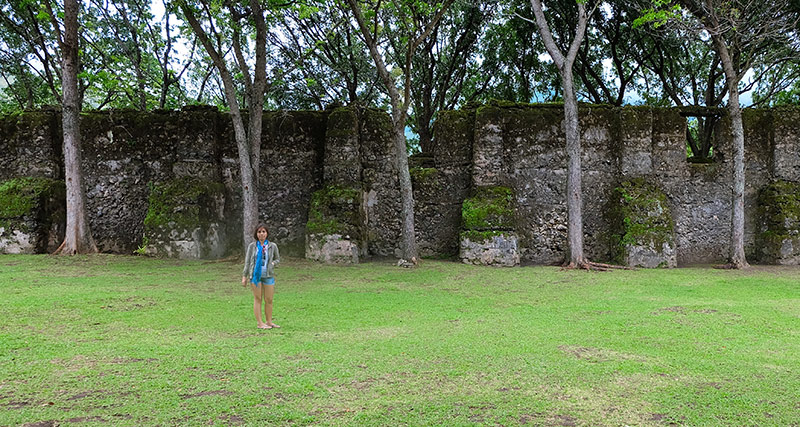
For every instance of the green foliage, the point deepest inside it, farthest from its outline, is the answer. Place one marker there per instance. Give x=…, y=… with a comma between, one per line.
x=490, y=208
x=142, y=249
x=335, y=210
x=658, y=15
x=640, y=215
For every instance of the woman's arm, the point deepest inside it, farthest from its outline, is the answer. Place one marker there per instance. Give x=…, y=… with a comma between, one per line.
x=248, y=261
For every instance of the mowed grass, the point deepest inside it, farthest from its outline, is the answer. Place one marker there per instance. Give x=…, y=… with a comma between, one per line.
x=139, y=341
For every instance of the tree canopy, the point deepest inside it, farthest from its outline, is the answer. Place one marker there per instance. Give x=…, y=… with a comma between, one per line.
x=142, y=54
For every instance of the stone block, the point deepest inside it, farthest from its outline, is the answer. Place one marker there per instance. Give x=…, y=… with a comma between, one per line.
x=642, y=226
x=335, y=229
x=32, y=215
x=488, y=220
x=500, y=249
x=185, y=219
x=779, y=237
x=332, y=248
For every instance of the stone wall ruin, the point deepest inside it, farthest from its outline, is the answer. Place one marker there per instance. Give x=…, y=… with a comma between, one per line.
x=310, y=155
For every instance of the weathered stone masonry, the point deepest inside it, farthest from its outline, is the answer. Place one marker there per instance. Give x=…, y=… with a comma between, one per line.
x=521, y=147
x=344, y=156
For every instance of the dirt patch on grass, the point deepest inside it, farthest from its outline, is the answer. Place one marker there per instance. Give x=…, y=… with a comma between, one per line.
x=595, y=355
x=535, y=418
x=48, y=423
x=129, y=304
x=562, y=420
x=17, y=404
x=95, y=419
x=85, y=394
x=207, y=393
x=76, y=363
x=122, y=360
x=227, y=420
x=673, y=309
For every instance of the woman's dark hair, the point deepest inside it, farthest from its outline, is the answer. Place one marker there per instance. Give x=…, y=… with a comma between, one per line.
x=259, y=227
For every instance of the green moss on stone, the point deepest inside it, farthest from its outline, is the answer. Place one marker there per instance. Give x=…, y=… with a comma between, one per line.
x=490, y=208
x=376, y=120
x=335, y=210
x=342, y=123
x=181, y=203
x=456, y=122
x=476, y=236
x=19, y=197
x=757, y=121
x=640, y=215
x=422, y=175
x=779, y=206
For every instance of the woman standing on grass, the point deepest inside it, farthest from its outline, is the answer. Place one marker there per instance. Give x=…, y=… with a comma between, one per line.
x=262, y=255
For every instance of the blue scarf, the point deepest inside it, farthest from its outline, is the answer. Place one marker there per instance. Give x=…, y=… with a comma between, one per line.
x=259, y=259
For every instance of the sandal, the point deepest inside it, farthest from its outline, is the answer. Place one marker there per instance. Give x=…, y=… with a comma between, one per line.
x=274, y=326
x=265, y=326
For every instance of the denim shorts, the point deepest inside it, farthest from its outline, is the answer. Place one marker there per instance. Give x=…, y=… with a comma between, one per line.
x=267, y=281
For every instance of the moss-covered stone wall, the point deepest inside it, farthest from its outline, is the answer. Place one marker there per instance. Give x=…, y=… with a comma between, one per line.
x=779, y=232
x=642, y=228
x=32, y=214
x=520, y=147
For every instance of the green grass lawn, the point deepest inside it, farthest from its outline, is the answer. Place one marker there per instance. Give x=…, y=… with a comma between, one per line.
x=132, y=341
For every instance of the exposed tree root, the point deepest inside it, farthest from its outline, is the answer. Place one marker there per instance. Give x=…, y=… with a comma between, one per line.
x=733, y=266
x=594, y=266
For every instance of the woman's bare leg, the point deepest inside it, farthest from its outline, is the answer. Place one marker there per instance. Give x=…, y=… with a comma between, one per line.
x=257, y=291
x=269, y=291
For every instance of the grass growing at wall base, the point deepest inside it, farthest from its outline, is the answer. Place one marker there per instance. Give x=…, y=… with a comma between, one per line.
x=142, y=341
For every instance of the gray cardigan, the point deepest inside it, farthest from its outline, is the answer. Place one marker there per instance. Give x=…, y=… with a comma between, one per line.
x=250, y=259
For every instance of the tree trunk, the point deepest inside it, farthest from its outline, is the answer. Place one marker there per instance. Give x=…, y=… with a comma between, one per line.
x=425, y=133
x=408, y=241
x=248, y=144
x=571, y=127
x=247, y=168
x=78, y=237
x=574, y=199
x=738, y=259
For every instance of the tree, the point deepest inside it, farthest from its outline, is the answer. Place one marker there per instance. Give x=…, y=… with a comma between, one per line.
x=410, y=22
x=331, y=64
x=746, y=34
x=510, y=51
x=30, y=40
x=446, y=70
x=139, y=56
x=565, y=62
x=78, y=237
x=248, y=140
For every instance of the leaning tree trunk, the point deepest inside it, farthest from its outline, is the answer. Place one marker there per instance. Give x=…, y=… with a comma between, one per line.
x=246, y=169
x=247, y=143
x=574, y=199
x=408, y=241
x=78, y=237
